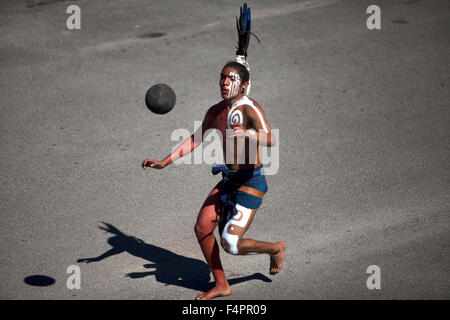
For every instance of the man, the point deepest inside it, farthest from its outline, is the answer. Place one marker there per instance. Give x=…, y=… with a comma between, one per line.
x=236, y=198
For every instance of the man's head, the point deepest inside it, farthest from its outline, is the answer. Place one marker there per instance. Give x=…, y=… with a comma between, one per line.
x=234, y=80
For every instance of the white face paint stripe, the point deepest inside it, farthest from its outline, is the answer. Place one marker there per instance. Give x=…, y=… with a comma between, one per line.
x=229, y=90
x=234, y=85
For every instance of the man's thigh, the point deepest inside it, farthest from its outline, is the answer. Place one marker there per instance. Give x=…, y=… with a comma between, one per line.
x=209, y=213
x=236, y=226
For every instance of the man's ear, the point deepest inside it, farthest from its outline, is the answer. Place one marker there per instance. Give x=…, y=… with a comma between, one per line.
x=244, y=86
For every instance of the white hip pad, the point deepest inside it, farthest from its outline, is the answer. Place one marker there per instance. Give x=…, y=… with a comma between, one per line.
x=240, y=219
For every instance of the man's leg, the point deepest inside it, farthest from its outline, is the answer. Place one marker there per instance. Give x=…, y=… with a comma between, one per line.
x=233, y=242
x=204, y=229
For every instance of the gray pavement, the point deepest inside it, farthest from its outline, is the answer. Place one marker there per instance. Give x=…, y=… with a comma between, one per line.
x=364, y=124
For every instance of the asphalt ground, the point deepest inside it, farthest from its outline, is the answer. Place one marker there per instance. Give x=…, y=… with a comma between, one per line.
x=363, y=178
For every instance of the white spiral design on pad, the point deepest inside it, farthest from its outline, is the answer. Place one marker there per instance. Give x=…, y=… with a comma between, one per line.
x=240, y=219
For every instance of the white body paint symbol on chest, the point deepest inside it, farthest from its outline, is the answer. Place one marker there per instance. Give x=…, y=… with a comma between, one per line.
x=235, y=115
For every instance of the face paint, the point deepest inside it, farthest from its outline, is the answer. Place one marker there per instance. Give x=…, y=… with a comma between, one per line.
x=233, y=84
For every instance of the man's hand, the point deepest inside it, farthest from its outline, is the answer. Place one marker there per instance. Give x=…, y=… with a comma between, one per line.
x=239, y=131
x=152, y=163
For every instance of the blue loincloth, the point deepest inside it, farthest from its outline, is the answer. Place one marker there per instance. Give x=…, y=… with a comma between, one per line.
x=245, y=187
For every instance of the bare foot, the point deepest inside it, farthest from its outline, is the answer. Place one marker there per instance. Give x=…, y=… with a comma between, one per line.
x=277, y=259
x=214, y=292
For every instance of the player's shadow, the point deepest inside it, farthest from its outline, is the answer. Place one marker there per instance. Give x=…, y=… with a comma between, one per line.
x=169, y=268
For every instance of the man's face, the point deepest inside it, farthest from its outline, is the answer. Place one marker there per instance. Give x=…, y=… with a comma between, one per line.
x=230, y=83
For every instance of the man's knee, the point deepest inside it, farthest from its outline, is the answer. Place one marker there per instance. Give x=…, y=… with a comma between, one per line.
x=230, y=243
x=225, y=245
x=201, y=232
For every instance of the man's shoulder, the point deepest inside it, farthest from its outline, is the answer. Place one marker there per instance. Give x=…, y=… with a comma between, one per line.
x=216, y=107
x=254, y=106
x=215, y=110
x=255, y=103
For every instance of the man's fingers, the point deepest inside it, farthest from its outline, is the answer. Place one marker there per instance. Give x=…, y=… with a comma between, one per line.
x=151, y=163
x=147, y=163
x=237, y=126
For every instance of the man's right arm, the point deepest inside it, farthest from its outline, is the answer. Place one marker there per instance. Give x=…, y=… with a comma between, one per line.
x=186, y=146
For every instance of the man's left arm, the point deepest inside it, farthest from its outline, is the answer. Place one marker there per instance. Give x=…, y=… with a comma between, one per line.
x=259, y=128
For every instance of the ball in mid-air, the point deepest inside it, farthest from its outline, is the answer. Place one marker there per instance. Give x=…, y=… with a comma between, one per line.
x=160, y=98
